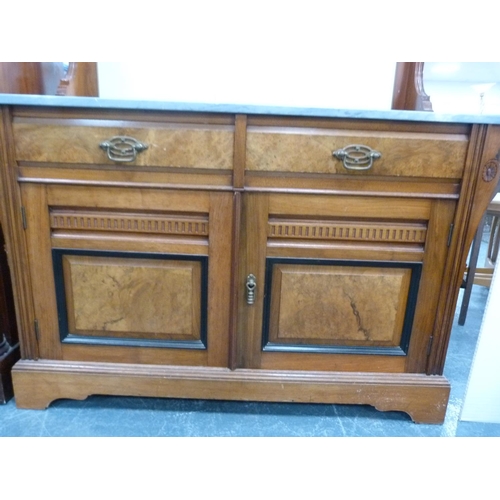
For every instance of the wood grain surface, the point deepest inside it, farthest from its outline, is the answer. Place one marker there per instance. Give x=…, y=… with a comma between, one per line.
x=338, y=305
x=126, y=297
x=424, y=398
x=169, y=145
x=310, y=150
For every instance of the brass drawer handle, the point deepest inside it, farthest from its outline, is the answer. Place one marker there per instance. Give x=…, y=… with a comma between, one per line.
x=251, y=285
x=357, y=156
x=122, y=148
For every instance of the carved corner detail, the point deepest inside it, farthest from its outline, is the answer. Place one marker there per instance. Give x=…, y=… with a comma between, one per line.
x=423, y=102
x=490, y=170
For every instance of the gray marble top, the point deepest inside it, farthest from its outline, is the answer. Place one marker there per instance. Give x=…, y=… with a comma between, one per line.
x=99, y=103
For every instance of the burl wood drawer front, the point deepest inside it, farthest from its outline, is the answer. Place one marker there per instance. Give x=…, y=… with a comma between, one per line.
x=309, y=150
x=176, y=145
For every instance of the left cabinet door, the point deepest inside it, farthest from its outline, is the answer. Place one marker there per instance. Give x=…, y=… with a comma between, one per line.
x=130, y=275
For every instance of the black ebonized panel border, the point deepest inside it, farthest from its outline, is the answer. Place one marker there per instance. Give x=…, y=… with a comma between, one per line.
x=401, y=350
x=68, y=338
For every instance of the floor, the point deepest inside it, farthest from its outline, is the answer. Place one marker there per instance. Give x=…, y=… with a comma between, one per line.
x=129, y=416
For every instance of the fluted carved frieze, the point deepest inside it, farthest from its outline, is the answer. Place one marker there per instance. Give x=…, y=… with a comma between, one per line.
x=352, y=231
x=135, y=223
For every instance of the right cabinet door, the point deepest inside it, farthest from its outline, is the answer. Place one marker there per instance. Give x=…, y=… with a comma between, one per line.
x=340, y=283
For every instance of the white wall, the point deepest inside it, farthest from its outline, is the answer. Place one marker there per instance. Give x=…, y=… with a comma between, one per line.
x=482, y=398
x=461, y=97
x=455, y=87
x=310, y=80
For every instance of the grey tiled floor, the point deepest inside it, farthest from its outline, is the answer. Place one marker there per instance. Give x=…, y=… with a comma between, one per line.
x=126, y=416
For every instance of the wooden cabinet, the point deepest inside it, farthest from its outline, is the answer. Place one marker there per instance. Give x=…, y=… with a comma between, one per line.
x=240, y=257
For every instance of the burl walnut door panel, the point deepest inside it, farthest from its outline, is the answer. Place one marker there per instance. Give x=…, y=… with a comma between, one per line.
x=123, y=277
x=339, y=307
x=342, y=283
x=114, y=298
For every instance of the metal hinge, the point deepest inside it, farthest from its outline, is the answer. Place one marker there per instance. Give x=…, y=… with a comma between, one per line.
x=37, y=331
x=429, y=345
x=450, y=233
x=23, y=216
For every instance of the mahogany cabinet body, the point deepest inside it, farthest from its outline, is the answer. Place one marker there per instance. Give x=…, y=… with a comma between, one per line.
x=236, y=257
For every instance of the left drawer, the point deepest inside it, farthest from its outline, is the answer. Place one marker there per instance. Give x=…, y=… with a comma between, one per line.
x=170, y=144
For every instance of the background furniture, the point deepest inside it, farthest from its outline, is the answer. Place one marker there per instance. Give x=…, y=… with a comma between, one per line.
x=409, y=92
x=9, y=344
x=49, y=78
x=494, y=242
x=481, y=276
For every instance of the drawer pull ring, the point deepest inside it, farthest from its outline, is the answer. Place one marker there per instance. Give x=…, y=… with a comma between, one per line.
x=251, y=285
x=122, y=148
x=357, y=156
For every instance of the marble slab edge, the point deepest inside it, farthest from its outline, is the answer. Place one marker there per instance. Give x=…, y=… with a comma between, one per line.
x=238, y=108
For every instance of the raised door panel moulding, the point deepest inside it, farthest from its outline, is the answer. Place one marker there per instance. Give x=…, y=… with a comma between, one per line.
x=318, y=305
x=128, y=298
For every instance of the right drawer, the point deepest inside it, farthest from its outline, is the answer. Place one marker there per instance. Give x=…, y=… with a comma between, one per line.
x=428, y=151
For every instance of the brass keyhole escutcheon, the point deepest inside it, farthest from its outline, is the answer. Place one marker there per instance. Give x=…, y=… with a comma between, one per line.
x=251, y=285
